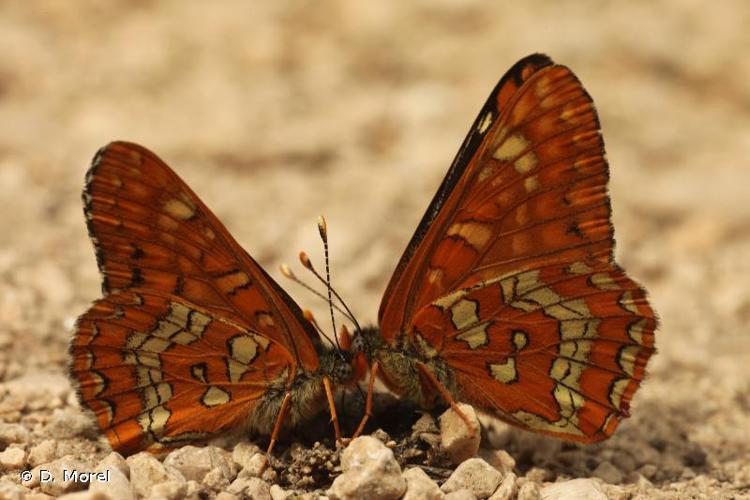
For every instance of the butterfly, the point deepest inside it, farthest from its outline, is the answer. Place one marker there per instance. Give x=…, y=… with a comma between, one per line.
x=192, y=337
x=508, y=297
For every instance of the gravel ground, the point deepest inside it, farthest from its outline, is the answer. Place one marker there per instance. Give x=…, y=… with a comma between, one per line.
x=278, y=112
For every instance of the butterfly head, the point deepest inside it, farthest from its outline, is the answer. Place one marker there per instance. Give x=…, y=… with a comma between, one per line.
x=365, y=339
x=342, y=371
x=338, y=365
x=364, y=343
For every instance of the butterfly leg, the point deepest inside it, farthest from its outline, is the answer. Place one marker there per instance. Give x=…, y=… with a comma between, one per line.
x=368, y=404
x=446, y=395
x=332, y=407
x=283, y=411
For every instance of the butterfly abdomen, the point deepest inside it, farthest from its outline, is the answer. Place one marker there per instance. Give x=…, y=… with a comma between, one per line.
x=307, y=400
x=307, y=390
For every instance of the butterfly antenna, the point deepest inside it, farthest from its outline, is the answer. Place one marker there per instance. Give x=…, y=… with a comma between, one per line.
x=310, y=317
x=305, y=260
x=287, y=272
x=323, y=230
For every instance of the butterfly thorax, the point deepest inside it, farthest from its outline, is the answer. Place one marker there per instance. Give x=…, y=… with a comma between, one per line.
x=399, y=365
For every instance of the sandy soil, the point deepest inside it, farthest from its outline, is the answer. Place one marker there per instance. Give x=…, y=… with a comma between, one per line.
x=278, y=112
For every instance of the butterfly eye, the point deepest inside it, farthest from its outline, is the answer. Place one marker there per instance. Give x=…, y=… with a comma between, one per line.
x=358, y=343
x=343, y=372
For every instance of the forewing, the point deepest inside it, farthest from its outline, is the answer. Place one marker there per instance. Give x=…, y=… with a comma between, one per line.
x=559, y=349
x=151, y=231
x=158, y=371
x=527, y=189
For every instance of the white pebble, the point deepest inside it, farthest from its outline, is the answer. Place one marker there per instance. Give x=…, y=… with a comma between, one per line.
x=370, y=471
x=12, y=458
x=459, y=440
x=195, y=463
x=476, y=475
x=576, y=489
x=499, y=459
x=250, y=487
x=529, y=491
x=420, y=486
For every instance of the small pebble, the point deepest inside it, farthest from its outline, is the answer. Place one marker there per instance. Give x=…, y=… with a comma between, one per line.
x=195, y=463
x=370, y=471
x=61, y=484
x=115, y=461
x=243, y=453
x=256, y=464
x=507, y=488
x=459, y=440
x=539, y=475
x=575, y=489
x=476, y=475
x=44, y=452
x=79, y=495
x=425, y=423
x=146, y=472
x=13, y=433
x=649, y=471
x=608, y=473
x=529, y=491
x=12, y=491
x=462, y=494
x=640, y=481
x=118, y=486
x=419, y=486
x=499, y=459
x=381, y=435
x=250, y=487
x=174, y=488
x=12, y=458
x=278, y=493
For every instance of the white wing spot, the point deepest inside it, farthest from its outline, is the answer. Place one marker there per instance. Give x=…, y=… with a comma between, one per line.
x=485, y=123
x=476, y=234
x=579, y=267
x=604, y=281
x=511, y=147
x=525, y=163
x=475, y=336
x=179, y=209
x=215, y=396
x=464, y=314
x=504, y=372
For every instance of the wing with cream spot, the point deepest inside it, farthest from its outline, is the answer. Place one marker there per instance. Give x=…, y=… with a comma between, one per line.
x=160, y=372
x=528, y=188
x=560, y=349
x=151, y=231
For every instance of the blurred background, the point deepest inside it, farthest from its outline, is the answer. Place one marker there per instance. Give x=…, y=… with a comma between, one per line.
x=276, y=112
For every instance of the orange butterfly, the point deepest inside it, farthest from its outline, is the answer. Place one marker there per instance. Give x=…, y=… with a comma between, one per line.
x=192, y=337
x=508, y=296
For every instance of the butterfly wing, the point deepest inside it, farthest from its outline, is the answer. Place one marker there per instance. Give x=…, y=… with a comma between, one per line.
x=527, y=193
x=532, y=166
x=559, y=349
x=158, y=370
x=153, y=235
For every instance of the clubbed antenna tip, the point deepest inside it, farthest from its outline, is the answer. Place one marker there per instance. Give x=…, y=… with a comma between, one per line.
x=287, y=272
x=322, y=227
x=305, y=260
